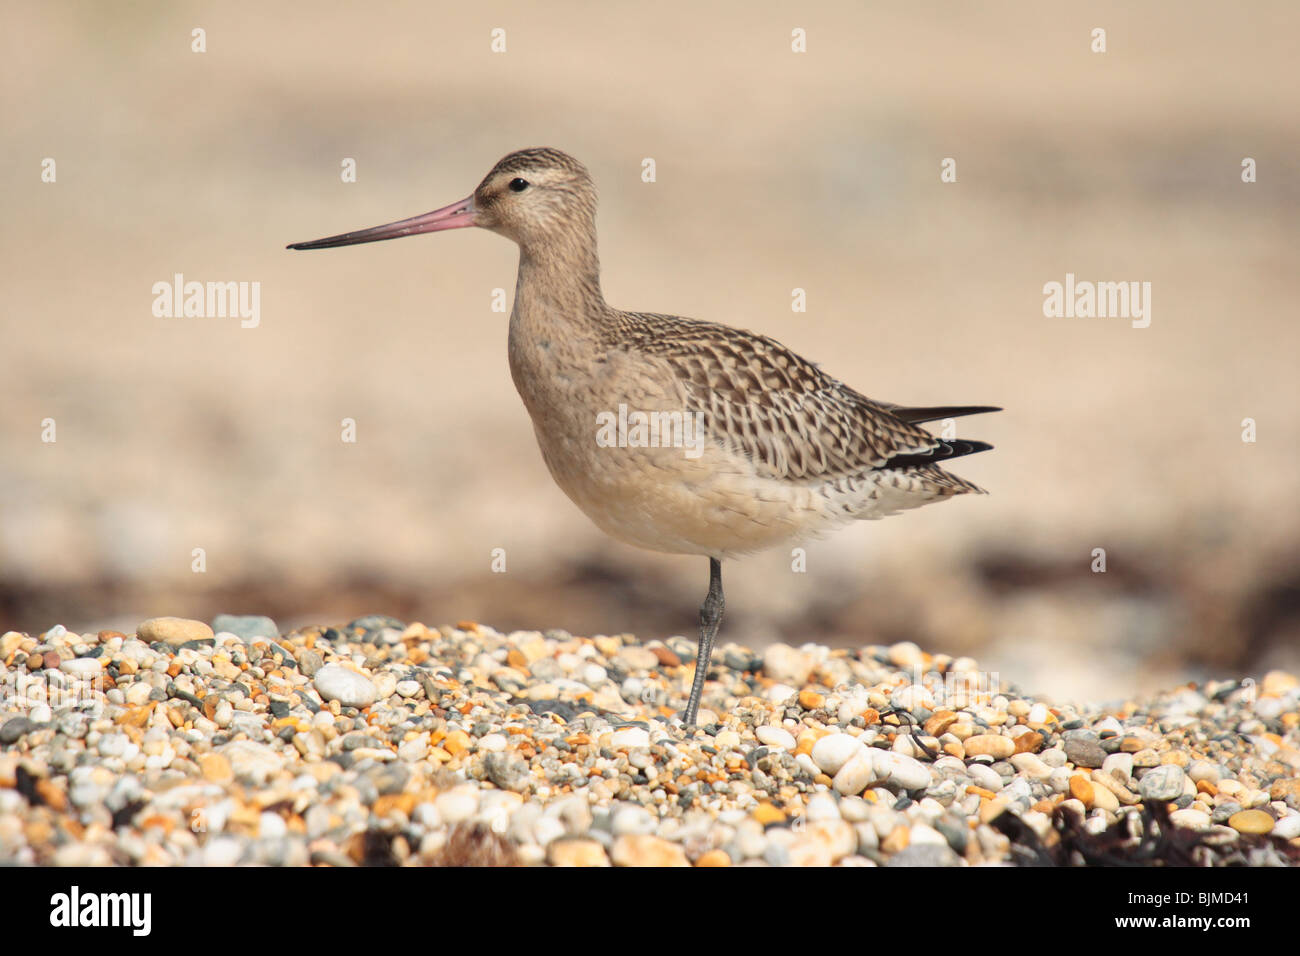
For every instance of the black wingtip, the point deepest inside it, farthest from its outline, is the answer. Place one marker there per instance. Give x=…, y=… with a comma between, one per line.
x=947, y=449
x=919, y=415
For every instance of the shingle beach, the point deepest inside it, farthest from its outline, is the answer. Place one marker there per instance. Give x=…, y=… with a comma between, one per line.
x=383, y=743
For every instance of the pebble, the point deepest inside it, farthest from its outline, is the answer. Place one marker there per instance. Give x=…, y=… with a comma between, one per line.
x=906, y=655
x=1251, y=821
x=1084, y=753
x=507, y=771
x=253, y=762
x=1031, y=766
x=246, y=627
x=833, y=751
x=856, y=773
x=309, y=662
x=777, y=737
x=904, y=771
x=785, y=665
x=992, y=745
x=924, y=854
x=629, y=738
x=1119, y=765
x=215, y=767
x=1162, y=783
x=1195, y=819
x=726, y=740
x=576, y=852
x=173, y=630
x=631, y=819
x=348, y=687
x=1105, y=798
x=457, y=805
x=15, y=728
x=985, y=776
x=1288, y=827
x=82, y=667
x=644, y=850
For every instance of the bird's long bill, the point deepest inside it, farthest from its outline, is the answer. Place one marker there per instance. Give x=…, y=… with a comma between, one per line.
x=456, y=216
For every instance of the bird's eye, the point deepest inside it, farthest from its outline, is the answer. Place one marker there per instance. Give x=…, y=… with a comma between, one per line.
x=518, y=185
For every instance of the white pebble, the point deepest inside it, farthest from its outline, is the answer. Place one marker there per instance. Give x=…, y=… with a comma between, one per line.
x=222, y=851
x=806, y=763
x=912, y=696
x=113, y=745
x=985, y=776
x=833, y=751
x=547, y=829
x=777, y=737
x=349, y=688
x=223, y=714
x=921, y=833
x=906, y=654
x=822, y=806
x=853, y=707
x=1031, y=766
x=417, y=748
x=780, y=692
x=426, y=815
x=628, y=738
x=906, y=772
x=493, y=743
x=855, y=774
x=1195, y=819
x=81, y=666
x=457, y=805
x=1119, y=765
x=1288, y=827
x=633, y=820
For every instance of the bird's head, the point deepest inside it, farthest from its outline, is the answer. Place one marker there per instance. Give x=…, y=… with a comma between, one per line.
x=530, y=196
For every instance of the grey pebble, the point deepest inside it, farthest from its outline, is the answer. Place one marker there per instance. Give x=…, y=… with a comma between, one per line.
x=377, y=622
x=1162, y=783
x=924, y=854
x=246, y=626
x=507, y=771
x=15, y=728
x=1084, y=753
x=309, y=662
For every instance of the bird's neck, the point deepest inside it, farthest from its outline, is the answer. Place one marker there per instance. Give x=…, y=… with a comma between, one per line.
x=555, y=328
x=560, y=277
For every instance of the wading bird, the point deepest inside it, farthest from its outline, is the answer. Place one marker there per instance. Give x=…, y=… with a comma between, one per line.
x=786, y=452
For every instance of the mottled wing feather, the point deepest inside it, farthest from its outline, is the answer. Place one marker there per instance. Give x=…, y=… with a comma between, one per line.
x=790, y=418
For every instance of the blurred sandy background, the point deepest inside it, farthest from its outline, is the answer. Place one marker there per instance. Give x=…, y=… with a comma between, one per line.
x=775, y=171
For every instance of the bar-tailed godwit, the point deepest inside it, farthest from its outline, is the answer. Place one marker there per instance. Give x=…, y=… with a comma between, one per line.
x=726, y=441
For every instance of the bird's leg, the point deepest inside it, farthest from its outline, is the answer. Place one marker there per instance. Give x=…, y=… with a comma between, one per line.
x=710, y=618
